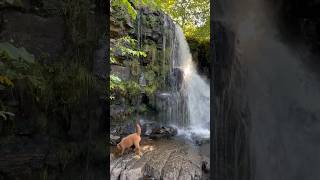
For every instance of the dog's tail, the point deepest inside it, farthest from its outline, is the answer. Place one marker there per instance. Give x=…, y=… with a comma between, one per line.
x=138, y=129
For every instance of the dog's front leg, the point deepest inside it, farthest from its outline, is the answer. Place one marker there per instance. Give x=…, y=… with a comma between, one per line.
x=138, y=151
x=122, y=151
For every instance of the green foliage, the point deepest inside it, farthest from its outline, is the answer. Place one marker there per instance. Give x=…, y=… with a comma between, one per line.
x=151, y=88
x=124, y=88
x=150, y=76
x=68, y=85
x=153, y=4
x=8, y=51
x=133, y=88
x=192, y=15
x=116, y=86
x=127, y=46
x=5, y=82
x=142, y=108
x=201, y=34
x=19, y=65
x=53, y=86
x=135, y=67
x=125, y=4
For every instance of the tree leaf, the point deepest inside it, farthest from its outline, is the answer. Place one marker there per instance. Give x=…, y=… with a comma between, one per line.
x=12, y=52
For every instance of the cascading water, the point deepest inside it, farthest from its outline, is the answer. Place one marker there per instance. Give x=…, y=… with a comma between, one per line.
x=185, y=101
x=195, y=90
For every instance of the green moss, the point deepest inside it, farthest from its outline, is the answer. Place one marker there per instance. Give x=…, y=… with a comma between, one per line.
x=151, y=21
x=124, y=4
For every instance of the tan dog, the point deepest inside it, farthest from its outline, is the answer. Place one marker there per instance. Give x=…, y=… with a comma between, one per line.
x=130, y=140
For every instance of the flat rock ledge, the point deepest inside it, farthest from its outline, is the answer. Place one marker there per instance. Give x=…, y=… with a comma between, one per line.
x=166, y=159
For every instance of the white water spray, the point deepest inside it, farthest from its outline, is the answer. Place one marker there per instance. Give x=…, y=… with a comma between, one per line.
x=196, y=90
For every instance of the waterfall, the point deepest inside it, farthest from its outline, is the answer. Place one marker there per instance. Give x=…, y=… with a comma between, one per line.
x=190, y=107
x=184, y=102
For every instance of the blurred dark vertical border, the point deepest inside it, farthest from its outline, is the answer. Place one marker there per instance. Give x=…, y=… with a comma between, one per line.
x=212, y=85
x=108, y=90
x=72, y=145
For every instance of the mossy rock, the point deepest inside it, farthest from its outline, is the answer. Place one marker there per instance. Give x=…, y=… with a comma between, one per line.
x=135, y=67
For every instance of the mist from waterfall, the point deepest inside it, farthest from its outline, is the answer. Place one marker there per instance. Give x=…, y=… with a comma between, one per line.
x=195, y=89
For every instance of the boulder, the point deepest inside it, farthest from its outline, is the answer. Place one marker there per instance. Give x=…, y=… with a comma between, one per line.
x=163, y=132
x=177, y=77
x=122, y=72
x=147, y=128
x=123, y=129
x=114, y=140
x=206, y=165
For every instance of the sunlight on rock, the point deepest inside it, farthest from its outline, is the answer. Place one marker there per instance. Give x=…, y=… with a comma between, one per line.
x=147, y=148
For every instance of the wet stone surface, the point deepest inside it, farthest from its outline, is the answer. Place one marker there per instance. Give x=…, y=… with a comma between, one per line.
x=167, y=159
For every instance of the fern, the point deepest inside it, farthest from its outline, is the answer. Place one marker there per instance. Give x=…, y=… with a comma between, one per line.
x=18, y=64
x=127, y=46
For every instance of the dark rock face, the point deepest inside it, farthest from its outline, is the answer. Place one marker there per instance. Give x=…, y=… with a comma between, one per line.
x=118, y=112
x=119, y=27
x=178, y=77
x=123, y=130
x=23, y=155
x=43, y=37
x=161, y=100
x=100, y=60
x=122, y=72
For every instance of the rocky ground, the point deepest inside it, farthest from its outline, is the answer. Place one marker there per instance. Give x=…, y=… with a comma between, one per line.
x=161, y=159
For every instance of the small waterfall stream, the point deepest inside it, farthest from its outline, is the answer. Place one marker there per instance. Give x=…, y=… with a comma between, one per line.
x=188, y=106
